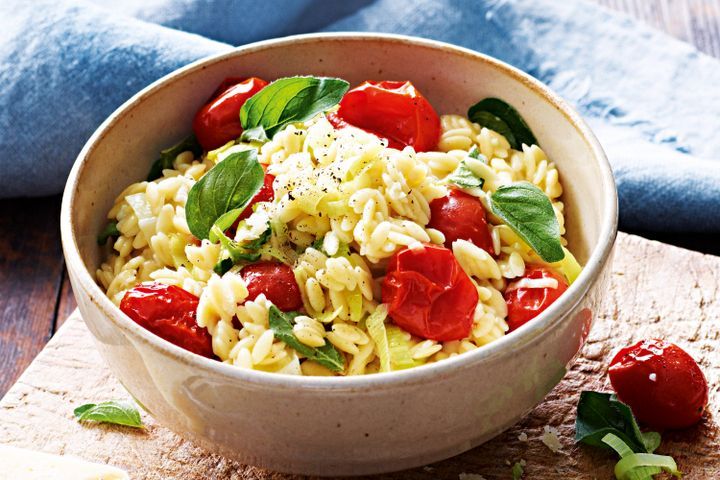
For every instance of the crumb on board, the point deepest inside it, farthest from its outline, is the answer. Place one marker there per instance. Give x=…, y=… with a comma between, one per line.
x=428, y=468
x=470, y=476
x=551, y=439
x=523, y=437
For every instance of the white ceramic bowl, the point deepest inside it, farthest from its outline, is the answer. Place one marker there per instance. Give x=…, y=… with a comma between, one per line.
x=353, y=425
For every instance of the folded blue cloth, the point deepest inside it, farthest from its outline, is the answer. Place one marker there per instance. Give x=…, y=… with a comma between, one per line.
x=654, y=102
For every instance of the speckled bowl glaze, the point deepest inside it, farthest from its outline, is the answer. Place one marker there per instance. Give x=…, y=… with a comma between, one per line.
x=353, y=425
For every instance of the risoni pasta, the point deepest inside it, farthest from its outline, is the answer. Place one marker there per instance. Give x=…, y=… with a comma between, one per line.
x=351, y=216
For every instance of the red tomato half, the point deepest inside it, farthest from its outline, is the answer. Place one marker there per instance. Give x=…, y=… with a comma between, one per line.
x=276, y=280
x=524, y=303
x=218, y=121
x=265, y=194
x=168, y=312
x=392, y=110
x=429, y=295
x=460, y=216
x=661, y=383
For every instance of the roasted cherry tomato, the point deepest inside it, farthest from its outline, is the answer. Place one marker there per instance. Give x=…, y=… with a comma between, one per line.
x=218, y=121
x=428, y=293
x=460, y=216
x=276, y=280
x=661, y=383
x=168, y=312
x=526, y=302
x=265, y=194
x=392, y=110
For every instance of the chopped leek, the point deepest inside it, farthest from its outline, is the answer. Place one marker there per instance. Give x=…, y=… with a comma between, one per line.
x=334, y=208
x=343, y=249
x=376, y=328
x=638, y=466
x=399, y=346
x=568, y=266
x=278, y=247
x=355, y=302
x=642, y=466
x=143, y=211
x=616, y=443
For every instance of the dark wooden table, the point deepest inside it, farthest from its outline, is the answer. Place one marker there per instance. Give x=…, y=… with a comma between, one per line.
x=35, y=294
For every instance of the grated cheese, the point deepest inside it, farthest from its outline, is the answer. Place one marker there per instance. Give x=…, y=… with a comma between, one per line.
x=550, y=439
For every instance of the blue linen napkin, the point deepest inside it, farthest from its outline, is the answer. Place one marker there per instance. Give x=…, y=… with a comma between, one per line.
x=653, y=101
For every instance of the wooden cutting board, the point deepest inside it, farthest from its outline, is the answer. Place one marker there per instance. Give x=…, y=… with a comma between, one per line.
x=656, y=291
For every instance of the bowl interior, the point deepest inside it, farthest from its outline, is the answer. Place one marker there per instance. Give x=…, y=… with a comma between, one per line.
x=453, y=79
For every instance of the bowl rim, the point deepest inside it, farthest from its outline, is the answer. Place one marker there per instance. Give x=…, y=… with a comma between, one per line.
x=526, y=334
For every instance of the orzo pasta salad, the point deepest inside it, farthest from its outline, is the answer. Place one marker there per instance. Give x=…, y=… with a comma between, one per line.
x=312, y=229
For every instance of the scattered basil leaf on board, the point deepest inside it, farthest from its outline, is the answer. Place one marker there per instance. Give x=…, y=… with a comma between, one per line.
x=118, y=412
x=223, y=192
x=497, y=115
x=232, y=253
x=463, y=177
x=638, y=466
x=529, y=213
x=281, y=324
x=517, y=471
x=289, y=100
x=601, y=413
x=110, y=230
x=167, y=156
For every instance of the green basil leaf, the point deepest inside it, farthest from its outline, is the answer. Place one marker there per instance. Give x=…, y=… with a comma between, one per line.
x=463, y=177
x=289, y=100
x=260, y=241
x=224, y=222
x=599, y=414
x=228, y=186
x=282, y=325
x=223, y=265
x=167, y=156
x=517, y=471
x=110, y=230
x=497, y=115
x=529, y=213
x=318, y=244
x=256, y=134
x=475, y=153
x=118, y=412
x=232, y=253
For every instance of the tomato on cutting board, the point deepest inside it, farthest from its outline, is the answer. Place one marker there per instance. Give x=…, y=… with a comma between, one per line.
x=428, y=294
x=460, y=216
x=276, y=280
x=393, y=110
x=527, y=298
x=169, y=312
x=218, y=121
x=661, y=382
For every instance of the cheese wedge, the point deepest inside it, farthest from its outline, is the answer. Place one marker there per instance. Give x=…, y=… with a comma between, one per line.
x=21, y=464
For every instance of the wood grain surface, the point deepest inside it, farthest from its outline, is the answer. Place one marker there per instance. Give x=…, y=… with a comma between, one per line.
x=640, y=303
x=35, y=296
x=30, y=274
